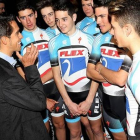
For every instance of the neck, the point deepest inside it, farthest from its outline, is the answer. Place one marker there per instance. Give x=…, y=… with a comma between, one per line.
x=134, y=46
x=6, y=52
x=30, y=30
x=72, y=31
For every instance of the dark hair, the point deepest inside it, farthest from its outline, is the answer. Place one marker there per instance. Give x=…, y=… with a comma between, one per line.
x=5, y=27
x=65, y=6
x=44, y=3
x=126, y=12
x=101, y=3
x=22, y=5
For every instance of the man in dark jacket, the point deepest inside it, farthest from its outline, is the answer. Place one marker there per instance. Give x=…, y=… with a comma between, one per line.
x=20, y=101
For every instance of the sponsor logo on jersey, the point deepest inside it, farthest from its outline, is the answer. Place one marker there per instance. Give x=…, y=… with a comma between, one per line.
x=64, y=42
x=108, y=52
x=41, y=35
x=28, y=39
x=73, y=65
x=71, y=53
x=79, y=39
x=108, y=123
x=107, y=39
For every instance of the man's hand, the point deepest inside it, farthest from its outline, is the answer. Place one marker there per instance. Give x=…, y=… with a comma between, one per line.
x=84, y=107
x=29, y=57
x=73, y=107
x=50, y=103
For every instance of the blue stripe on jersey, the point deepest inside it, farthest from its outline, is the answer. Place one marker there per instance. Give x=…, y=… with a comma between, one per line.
x=111, y=63
x=57, y=41
x=91, y=28
x=86, y=21
x=133, y=86
x=116, y=130
x=96, y=51
x=43, y=57
x=127, y=105
x=72, y=120
x=72, y=64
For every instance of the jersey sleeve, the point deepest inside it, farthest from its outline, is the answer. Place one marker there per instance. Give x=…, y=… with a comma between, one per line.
x=127, y=62
x=95, y=53
x=53, y=52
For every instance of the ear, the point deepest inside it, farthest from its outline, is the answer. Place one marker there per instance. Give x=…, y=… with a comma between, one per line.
x=4, y=40
x=18, y=19
x=74, y=16
x=127, y=29
x=36, y=14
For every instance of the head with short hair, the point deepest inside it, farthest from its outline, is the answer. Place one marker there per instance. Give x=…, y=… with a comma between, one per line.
x=44, y=3
x=65, y=17
x=2, y=6
x=23, y=5
x=10, y=36
x=102, y=16
x=126, y=12
x=5, y=26
x=101, y=3
x=87, y=6
x=46, y=9
x=65, y=6
x=26, y=15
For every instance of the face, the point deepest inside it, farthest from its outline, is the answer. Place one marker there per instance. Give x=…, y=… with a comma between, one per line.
x=15, y=38
x=48, y=16
x=65, y=22
x=28, y=19
x=118, y=32
x=2, y=8
x=87, y=8
x=101, y=14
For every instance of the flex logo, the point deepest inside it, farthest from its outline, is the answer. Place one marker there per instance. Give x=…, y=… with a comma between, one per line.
x=72, y=53
x=42, y=46
x=110, y=52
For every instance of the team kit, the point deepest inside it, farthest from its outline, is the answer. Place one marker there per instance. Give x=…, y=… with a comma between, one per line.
x=88, y=69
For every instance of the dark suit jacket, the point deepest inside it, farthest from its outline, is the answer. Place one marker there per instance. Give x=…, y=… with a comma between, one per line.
x=20, y=104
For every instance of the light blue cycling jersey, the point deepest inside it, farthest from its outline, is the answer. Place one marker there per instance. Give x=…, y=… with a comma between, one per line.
x=84, y=22
x=40, y=39
x=54, y=31
x=71, y=53
x=112, y=58
x=92, y=29
x=132, y=91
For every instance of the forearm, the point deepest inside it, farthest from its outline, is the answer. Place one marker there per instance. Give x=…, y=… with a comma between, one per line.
x=114, y=77
x=48, y=76
x=92, y=92
x=21, y=72
x=93, y=74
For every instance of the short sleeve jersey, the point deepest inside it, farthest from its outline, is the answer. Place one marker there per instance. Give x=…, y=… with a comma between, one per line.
x=40, y=39
x=112, y=57
x=133, y=97
x=84, y=22
x=71, y=53
x=54, y=31
x=92, y=29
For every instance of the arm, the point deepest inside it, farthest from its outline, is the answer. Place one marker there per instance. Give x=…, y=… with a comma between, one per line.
x=73, y=107
x=21, y=72
x=48, y=76
x=28, y=95
x=85, y=105
x=93, y=74
x=114, y=77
